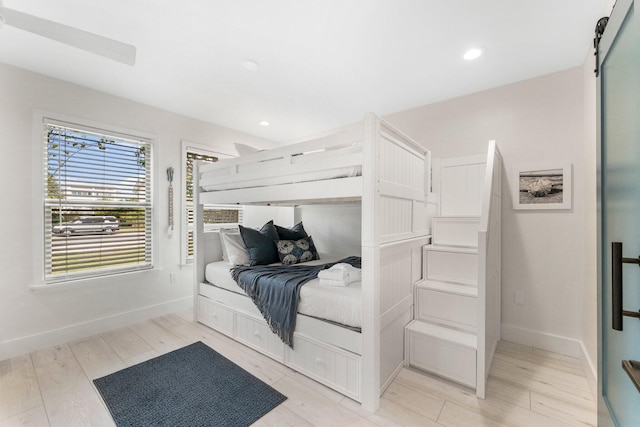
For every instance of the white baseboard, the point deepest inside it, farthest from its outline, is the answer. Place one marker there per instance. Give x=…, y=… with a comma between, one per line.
x=392, y=377
x=543, y=341
x=590, y=371
x=30, y=343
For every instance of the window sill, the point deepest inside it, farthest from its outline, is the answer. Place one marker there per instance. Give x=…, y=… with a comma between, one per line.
x=83, y=282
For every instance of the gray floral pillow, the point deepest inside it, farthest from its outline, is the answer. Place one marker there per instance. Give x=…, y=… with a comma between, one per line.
x=296, y=251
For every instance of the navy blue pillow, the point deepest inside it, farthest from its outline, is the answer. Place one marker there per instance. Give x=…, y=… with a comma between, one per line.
x=260, y=244
x=294, y=233
x=295, y=251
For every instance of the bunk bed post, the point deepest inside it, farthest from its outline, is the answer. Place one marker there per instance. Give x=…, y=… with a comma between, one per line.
x=370, y=267
x=198, y=241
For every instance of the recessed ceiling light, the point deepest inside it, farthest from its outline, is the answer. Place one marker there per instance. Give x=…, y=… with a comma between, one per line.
x=264, y=123
x=249, y=65
x=472, y=54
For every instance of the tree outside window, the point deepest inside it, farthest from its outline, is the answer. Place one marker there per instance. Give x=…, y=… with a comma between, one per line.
x=97, y=202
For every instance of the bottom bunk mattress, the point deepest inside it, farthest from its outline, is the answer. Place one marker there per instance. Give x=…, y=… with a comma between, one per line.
x=339, y=304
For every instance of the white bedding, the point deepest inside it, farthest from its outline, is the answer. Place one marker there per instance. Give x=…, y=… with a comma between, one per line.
x=338, y=304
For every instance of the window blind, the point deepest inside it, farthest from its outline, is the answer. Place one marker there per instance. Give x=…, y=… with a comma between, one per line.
x=97, y=202
x=214, y=216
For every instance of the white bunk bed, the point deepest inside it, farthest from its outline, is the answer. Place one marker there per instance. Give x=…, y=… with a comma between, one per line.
x=370, y=163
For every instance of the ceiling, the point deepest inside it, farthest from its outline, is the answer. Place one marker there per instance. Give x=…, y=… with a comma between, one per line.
x=322, y=63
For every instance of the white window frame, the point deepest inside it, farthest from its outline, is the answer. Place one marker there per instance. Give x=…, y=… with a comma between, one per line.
x=205, y=150
x=38, y=193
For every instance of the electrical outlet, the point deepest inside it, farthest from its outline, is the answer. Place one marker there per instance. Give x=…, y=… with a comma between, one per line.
x=519, y=298
x=172, y=277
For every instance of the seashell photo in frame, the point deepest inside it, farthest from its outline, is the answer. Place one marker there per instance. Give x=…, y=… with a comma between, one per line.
x=542, y=186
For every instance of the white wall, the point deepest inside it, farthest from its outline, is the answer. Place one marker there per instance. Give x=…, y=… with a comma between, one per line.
x=336, y=229
x=35, y=319
x=257, y=216
x=550, y=256
x=543, y=252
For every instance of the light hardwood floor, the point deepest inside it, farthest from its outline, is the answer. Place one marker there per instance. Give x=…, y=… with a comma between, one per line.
x=526, y=387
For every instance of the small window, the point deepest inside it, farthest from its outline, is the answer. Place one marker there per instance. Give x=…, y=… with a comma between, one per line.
x=214, y=216
x=97, y=202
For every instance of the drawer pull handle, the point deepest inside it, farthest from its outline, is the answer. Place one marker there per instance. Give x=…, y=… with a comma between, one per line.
x=319, y=361
x=256, y=334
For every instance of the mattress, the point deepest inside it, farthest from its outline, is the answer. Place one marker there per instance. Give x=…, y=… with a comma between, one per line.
x=345, y=172
x=337, y=304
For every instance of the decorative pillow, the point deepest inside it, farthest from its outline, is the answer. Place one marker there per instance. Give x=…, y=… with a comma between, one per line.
x=223, y=231
x=260, y=243
x=236, y=252
x=295, y=251
x=294, y=233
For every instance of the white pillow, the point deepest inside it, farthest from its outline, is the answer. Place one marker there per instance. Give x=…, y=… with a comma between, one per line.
x=236, y=251
x=244, y=149
x=222, y=232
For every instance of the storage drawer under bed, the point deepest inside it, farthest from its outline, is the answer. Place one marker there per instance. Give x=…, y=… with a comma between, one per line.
x=329, y=365
x=326, y=363
x=215, y=315
x=255, y=333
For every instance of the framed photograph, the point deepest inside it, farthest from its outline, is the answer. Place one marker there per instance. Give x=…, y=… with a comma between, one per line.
x=542, y=186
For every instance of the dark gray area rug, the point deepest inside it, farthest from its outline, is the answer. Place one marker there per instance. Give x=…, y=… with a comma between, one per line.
x=192, y=386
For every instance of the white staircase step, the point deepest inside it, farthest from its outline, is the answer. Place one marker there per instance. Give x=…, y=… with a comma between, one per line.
x=451, y=288
x=456, y=230
x=454, y=336
x=447, y=304
x=450, y=248
x=442, y=351
x=450, y=264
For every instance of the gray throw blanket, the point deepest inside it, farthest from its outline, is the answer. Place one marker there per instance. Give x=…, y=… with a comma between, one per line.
x=275, y=290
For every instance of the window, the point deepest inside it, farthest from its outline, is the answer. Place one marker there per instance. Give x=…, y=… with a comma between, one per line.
x=214, y=216
x=97, y=202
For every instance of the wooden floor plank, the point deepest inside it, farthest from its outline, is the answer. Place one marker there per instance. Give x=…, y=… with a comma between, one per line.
x=507, y=392
x=69, y=397
x=313, y=407
x=170, y=321
x=36, y=417
x=424, y=404
x=579, y=395
x=574, y=415
x=392, y=414
x=496, y=410
x=526, y=387
x=544, y=370
x=51, y=354
x=281, y=417
x=126, y=343
x=315, y=386
x=454, y=415
x=19, y=391
x=157, y=337
x=96, y=357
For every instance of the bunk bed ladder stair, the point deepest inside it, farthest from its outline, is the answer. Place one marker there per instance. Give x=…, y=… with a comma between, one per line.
x=456, y=326
x=443, y=337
